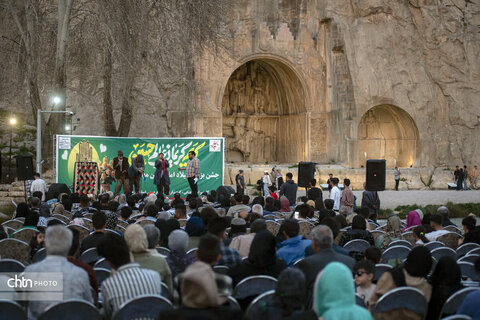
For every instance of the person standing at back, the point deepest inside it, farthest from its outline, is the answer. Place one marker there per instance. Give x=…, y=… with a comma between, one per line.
x=335, y=194
x=465, y=178
x=347, y=199
x=266, y=183
x=240, y=181
x=192, y=171
x=289, y=189
x=38, y=185
x=371, y=201
x=396, y=174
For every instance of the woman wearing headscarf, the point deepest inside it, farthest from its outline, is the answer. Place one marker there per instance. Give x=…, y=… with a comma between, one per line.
x=136, y=239
x=445, y=280
x=412, y=274
x=22, y=210
x=393, y=232
x=284, y=204
x=195, y=229
x=262, y=259
x=334, y=295
x=358, y=231
x=166, y=227
x=413, y=219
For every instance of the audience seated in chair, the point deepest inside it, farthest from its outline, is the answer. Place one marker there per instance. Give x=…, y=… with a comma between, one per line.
x=99, y=221
x=229, y=256
x=242, y=243
x=177, y=259
x=358, y=231
x=58, y=241
x=293, y=248
x=469, y=305
x=129, y=280
x=436, y=222
x=72, y=254
x=363, y=272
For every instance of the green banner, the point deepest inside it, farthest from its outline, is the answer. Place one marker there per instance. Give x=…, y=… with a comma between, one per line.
x=210, y=152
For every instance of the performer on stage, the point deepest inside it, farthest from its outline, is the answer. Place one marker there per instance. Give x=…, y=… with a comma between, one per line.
x=136, y=171
x=161, y=178
x=192, y=172
x=120, y=164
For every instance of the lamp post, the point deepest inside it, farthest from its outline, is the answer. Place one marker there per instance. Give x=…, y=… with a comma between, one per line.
x=12, y=122
x=56, y=100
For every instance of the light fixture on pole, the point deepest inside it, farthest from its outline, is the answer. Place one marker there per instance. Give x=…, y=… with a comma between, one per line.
x=39, y=132
x=13, y=122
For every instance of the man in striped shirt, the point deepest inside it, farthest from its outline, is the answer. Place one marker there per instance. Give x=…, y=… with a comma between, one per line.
x=192, y=172
x=129, y=281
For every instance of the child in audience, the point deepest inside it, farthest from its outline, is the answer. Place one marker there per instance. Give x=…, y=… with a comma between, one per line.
x=374, y=255
x=419, y=234
x=363, y=272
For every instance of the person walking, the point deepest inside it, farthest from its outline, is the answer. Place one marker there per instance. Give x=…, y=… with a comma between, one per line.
x=120, y=165
x=266, y=183
x=474, y=178
x=162, y=178
x=240, y=181
x=396, y=173
x=465, y=178
x=192, y=171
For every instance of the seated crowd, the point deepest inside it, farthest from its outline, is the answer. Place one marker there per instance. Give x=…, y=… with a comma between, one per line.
x=196, y=252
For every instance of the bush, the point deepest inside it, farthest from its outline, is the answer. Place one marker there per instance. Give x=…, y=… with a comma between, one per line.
x=457, y=210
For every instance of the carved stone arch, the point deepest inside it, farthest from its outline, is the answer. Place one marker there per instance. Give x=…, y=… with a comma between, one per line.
x=388, y=132
x=264, y=112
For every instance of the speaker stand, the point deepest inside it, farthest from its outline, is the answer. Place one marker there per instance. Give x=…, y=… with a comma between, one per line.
x=25, y=189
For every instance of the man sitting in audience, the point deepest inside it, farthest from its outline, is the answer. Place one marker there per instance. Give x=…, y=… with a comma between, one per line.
x=229, y=256
x=129, y=280
x=443, y=211
x=293, y=248
x=125, y=213
x=177, y=259
x=58, y=241
x=84, y=206
x=373, y=254
x=436, y=222
x=269, y=207
x=242, y=243
x=472, y=233
x=238, y=207
x=238, y=227
x=200, y=287
x=72, y=253
x=153, y=238
x=327, y=211
x=99, y=221
x=322, y=240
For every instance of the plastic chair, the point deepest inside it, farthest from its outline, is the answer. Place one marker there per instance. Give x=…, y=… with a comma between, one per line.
x=357, y=245
x=146, y=306
x=433, y=245
x=25, y=234
x=11, y=265
x=83, y=232
x=359, y=301
x=15, y=249
x=474, y=251
x=165, y=291
x=442, y=252
x=410, y=237
x=450, y=240
x=273, y=226
x=191, y=252
x=454, y=301
x=468, y=270
x=380, y=269
x=102, y=263
x=233, y=303
x=76, y=309
x=402, y=297
x=397, y=252
x=39, y=255
x=221, y=269
x=90, y=256
x=101, y=274
x=469, y=258
x=14, y=224
x=163, y=251
x=306, y=229
x=254, y=286
x=11, y=310
x=457, y=317
x=258, y=305
x=466, y=247
x=404, y=243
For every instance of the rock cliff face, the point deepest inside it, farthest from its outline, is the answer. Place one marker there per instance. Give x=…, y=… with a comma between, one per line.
x=422, y=56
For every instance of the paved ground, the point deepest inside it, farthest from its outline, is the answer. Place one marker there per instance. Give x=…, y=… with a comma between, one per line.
x=391, y=199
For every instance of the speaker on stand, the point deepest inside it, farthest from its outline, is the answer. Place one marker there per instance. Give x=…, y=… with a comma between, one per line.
x=306, y=172
x=25, y=172
x=375, y=175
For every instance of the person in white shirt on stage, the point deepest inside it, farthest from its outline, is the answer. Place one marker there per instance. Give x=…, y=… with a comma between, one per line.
x=335, y=194
x=38, y=185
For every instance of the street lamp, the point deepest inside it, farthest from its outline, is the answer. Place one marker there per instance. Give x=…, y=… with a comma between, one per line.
x=39, y=131
x=56, y=100
x=13, y=122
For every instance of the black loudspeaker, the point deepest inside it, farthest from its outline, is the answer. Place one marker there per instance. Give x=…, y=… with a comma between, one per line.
x=375, y=178
x=55, y=190
x=306, y=172
x=24, y=167
x=224, y=192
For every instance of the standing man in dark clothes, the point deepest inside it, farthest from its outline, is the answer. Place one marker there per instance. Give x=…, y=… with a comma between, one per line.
x=314, y=193
x=192, y=172
x=162, y=178
x=240, y=181
x=120, y=164
x=329, y=182
x=456, y=175
x=289, y=189
x=371, y=201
